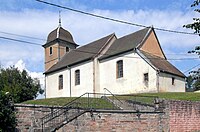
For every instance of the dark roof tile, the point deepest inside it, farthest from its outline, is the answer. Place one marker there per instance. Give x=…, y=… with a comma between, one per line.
x=126, y=43
x=162, y=64
x=80, y=54
x=60, y=33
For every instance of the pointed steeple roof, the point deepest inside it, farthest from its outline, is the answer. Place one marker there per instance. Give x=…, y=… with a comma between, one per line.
x=60, y=34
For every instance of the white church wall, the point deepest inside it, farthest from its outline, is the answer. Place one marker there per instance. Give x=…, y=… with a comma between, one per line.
x=134, y=68
x=86, y=79
x=165, y=83
x=52, y=81
x=69, y=88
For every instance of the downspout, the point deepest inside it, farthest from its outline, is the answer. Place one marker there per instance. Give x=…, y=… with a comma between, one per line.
x=45, y=91
x=70, y=90
x=158, y=81
x=94, y=74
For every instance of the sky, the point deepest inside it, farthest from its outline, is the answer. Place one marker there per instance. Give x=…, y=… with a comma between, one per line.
x=36, y=20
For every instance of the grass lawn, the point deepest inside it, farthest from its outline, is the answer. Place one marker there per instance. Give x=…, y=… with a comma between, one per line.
x=81, y=102
x=95, y=102
x=190, y=96
x=51, y=101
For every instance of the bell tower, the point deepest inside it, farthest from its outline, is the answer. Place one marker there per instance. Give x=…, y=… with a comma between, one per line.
x=59, y=42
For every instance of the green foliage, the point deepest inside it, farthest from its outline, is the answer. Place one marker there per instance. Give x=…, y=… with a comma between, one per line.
x=195, y=75
x=7, y=115
x=196, y=27
x=19, y=84
x=192, y=84
x=197, y=84
x=196, y=21
x=189, y=83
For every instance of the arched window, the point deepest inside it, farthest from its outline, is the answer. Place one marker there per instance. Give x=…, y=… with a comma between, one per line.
x=77, y=77
x=60, y=82
x=119, y=68
x=67, y=49
x=50, y=50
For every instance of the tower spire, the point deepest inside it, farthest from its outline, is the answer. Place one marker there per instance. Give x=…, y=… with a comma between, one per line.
x=59, y=19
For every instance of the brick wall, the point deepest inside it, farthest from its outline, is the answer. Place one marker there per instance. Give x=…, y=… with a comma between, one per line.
x=184, y=116
x=180, y=116
x=106, y=122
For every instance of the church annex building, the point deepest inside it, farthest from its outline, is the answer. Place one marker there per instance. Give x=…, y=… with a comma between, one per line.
x=134, y=63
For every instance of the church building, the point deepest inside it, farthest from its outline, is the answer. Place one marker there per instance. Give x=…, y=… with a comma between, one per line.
x=134, y=63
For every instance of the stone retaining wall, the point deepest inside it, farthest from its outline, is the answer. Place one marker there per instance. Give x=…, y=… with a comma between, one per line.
x=29, y=116
x=179, y=116
x=118, y=122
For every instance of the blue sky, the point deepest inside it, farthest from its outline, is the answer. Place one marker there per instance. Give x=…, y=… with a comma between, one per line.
x=17, y=5
x=31, y=18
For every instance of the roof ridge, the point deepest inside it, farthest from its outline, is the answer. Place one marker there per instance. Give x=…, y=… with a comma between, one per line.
x=152, y=54
x=126, y=43
x=145, y=37
x=93, y=41
x=133, y=33
x=103, y=47
x=86, y=45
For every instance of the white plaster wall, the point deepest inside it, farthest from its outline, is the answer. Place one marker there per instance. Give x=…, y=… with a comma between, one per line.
x=86, y=79
x=134, y=68
x=165, y=83
x=52, y=90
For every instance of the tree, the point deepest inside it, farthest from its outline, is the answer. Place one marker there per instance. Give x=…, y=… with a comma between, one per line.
x=189, y=83
x=19, y=84
x=196, y=27
x=196, y=24
x=7, y=115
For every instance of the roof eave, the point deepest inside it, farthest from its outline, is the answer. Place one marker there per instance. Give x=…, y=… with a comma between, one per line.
x=146, y=59
x=116, y=54
x=61, y=68
x=182, y=76
x=57, y=40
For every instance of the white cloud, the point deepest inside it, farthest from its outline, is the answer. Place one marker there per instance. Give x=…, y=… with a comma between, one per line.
x=39, y=23
x=39, y=75
x=20, y=65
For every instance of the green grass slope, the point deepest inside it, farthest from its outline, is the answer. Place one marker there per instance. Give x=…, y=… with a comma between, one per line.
x=96, y=102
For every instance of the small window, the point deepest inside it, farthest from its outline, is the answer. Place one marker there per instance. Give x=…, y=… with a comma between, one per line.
x=67, y=49
x=60, y=85
x=77, y=77
x=173, y=80
x=146, y=79
x=50, y=50
x=119, y=68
